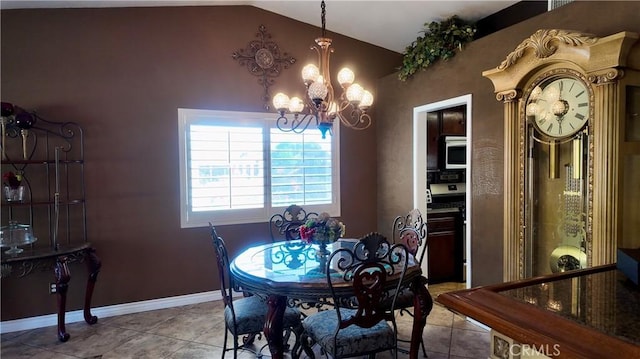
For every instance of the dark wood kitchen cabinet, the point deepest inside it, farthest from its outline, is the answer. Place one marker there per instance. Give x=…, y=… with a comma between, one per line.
x=453, y=121
x=446, y=122
x=444, y=247
x=433, y=136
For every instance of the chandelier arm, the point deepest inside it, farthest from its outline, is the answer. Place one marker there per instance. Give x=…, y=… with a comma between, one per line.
x=344, y=103
x=298, y=125
x=357, y=120
x=365, y=121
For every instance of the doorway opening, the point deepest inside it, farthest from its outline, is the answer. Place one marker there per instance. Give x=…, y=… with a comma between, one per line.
x=420, y=175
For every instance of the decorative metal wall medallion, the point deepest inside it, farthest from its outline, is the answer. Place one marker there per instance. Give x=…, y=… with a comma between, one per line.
x=264, y=59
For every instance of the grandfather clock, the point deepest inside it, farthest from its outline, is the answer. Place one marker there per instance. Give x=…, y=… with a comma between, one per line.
x=572, y=150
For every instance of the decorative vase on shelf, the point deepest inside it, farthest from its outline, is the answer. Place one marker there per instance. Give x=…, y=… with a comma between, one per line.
x=14, y=194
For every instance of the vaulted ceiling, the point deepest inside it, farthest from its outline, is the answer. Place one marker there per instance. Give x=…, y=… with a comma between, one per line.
x=389, y=24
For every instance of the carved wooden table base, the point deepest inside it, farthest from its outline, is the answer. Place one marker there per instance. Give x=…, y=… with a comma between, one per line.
x=29, y=262
x=63, y=276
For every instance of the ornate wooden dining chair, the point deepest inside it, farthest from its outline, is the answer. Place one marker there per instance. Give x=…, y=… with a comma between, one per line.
x=286, y=226
x=245, y=316
x=359, y=325
x=410, y=230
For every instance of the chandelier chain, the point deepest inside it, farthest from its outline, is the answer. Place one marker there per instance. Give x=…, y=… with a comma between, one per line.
x=324, y=22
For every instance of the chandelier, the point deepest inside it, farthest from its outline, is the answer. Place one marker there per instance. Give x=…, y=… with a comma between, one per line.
x=320, y=106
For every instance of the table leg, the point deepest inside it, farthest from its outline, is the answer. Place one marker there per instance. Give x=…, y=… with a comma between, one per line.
x=422, y=305
x=63, y=276
x=93, y=267
x=273, y=325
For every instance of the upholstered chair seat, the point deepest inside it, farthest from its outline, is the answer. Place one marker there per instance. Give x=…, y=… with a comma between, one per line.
x=251, y=313
x=351, y=341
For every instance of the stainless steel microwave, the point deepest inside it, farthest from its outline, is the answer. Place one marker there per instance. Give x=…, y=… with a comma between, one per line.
x=455, y=152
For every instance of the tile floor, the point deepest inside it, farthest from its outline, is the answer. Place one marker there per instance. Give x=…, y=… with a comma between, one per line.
x=197, y=332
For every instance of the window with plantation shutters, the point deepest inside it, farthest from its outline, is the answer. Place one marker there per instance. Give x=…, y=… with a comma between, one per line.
x=301, y=170
x=237, y=167
x=226, y=167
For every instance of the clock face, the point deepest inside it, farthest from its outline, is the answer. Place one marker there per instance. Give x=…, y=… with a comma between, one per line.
x=559, y=107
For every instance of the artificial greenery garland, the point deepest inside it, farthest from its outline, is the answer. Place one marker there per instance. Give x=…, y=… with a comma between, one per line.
x=440, y=41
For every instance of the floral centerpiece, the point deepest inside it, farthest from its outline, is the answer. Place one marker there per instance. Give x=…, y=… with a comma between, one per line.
x=322, y=230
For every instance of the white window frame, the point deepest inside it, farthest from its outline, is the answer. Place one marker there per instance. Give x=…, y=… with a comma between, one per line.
x=189, y=219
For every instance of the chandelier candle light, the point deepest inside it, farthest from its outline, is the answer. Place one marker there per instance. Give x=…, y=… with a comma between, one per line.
x=321, y=106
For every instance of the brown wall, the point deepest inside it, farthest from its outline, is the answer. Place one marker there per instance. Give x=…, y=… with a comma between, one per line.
x=121, y=73
x=463, y=75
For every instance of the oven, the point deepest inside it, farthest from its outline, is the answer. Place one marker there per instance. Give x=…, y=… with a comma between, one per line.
x=447, y=195
x=447, y=203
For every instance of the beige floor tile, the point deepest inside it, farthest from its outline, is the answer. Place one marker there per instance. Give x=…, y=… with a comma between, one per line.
x=85, y=341
x=433, y=355
x=186, y=326
x=14, y=350
x=10, y=336
x=213, y=335
x=197, y=332
x=469, y=343
x=145, y=346
x=440, y=316
x=200, y=351
x=206, y=308
x=142, y=321
x=437, y=338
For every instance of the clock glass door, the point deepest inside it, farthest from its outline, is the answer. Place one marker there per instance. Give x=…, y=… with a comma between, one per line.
x=556, y=205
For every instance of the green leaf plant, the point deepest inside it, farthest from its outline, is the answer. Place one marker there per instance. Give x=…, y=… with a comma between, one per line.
x=441, y=40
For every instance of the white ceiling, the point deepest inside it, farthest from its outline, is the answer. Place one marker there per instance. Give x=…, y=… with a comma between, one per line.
x=389, y=24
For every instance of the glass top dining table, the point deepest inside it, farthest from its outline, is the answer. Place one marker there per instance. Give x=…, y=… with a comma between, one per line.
x=289, y=273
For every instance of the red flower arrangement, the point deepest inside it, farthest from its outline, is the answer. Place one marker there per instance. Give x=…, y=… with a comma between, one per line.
x=323, y=229
x=12, y=180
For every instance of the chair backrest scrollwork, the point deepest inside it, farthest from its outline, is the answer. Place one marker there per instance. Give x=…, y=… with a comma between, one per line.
x=286, y=226
x=411, y=230
x=370, y=265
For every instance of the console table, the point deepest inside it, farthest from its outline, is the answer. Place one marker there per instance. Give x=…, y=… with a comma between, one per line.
x=31, y=260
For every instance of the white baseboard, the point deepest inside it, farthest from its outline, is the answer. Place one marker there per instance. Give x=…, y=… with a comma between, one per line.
x=9, y=326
